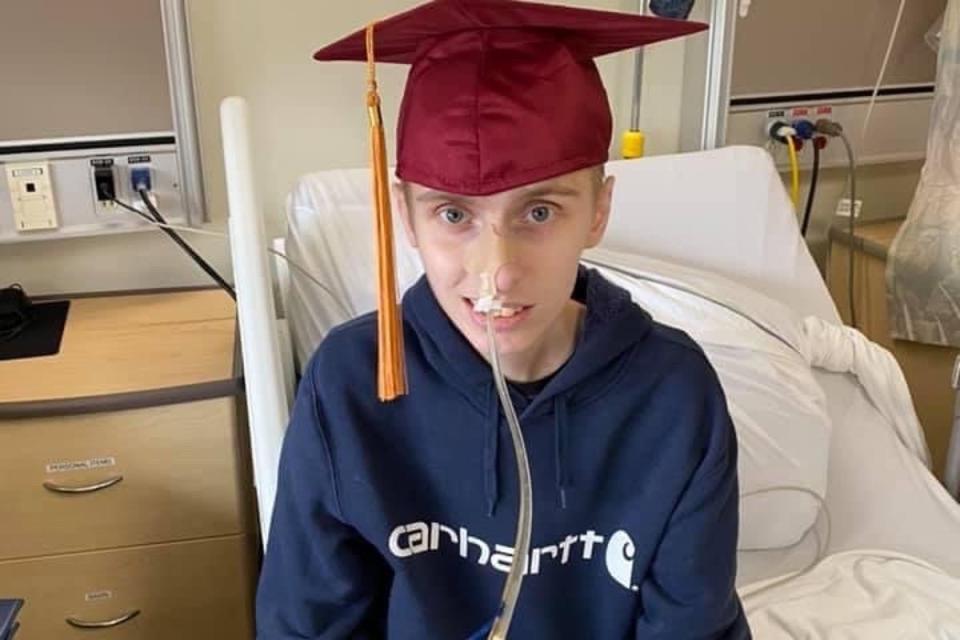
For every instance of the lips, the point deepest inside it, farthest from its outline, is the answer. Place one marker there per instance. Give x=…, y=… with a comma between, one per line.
x=507, y=318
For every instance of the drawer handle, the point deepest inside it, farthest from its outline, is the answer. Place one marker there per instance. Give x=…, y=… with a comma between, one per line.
x=102, y=624
x=90, y=488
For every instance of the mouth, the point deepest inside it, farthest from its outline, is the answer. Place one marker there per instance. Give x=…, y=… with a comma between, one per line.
x=508, y=316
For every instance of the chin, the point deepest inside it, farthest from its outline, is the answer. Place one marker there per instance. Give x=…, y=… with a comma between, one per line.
x=508, y=342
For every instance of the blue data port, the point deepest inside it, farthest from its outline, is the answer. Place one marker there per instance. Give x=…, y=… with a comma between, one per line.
x=140, y=179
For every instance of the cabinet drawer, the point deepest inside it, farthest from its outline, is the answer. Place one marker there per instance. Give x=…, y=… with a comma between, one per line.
x=127, y=478
x=182, y=590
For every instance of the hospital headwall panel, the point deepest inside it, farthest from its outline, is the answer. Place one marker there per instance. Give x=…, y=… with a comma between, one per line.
x=97, y=103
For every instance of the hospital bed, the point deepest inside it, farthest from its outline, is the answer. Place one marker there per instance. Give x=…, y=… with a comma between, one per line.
x=720, y=215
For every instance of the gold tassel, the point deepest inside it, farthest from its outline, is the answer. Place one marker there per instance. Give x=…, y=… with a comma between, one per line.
x=391, y=370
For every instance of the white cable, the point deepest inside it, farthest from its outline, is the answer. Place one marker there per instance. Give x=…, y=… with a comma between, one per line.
x=828, y=523
x=343, y=309
x=744, y=8
x=883, y=71
x=822, y=544
x=750, y=590
x=693, y=292
x=222, y=234
x=201, y=232
x=784, y=131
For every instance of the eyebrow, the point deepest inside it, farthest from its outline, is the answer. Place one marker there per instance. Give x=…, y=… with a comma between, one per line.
x=529, y=194
x=432, y=196
x=550, y=190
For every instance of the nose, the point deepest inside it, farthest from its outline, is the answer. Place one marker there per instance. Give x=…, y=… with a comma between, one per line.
x=490, y=258
x=506, y=277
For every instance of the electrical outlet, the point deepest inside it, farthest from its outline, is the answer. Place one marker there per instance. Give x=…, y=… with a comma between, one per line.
x=843, y=208
x=141, y=177
x=31, y=194
x=104, y=186
x=774, y=116
x=792, y=115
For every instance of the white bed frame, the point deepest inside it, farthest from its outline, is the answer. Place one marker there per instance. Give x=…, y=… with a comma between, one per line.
x=267, y=366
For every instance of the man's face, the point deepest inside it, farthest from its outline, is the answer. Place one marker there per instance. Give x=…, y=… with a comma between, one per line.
x=539, y=232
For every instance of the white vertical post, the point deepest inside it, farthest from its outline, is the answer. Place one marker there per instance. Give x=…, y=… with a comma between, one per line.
x=180, y=75
x=723, y=20
x=637, y=75
x=262, y=363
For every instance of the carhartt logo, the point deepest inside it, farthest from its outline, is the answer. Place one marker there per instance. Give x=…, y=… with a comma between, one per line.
x=620, y=554
x=420, y=537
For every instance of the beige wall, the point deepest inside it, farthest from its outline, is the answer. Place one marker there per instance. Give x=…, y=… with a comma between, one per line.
x=305, y=116
x=855, y=31
x=65, y=104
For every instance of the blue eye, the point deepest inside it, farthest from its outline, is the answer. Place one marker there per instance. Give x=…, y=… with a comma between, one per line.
x=540, y=214
x=453, y=216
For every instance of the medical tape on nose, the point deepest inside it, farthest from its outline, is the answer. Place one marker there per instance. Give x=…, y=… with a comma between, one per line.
x=483, y=260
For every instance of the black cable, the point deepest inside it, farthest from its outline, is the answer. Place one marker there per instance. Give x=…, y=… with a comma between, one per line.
x=203, y=264
x=814, y=178
x=16, y=312
x=158, y=218
x=313, y=279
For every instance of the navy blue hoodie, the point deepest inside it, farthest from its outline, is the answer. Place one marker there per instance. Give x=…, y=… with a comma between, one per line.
x=396, y=520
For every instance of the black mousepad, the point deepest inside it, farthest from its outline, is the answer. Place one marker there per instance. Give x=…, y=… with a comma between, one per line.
x=42, y=336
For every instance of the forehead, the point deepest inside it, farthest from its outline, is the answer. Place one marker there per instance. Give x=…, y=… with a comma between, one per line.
x=570, y=186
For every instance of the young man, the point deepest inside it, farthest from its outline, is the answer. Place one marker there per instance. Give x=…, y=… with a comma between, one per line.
x=396, y=519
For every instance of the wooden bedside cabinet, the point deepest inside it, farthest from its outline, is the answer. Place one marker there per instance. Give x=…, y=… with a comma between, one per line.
x=126, y=498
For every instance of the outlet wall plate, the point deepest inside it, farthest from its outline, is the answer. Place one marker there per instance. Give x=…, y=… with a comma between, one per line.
x=31, y=195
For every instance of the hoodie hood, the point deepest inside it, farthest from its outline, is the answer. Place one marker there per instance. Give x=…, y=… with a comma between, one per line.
x=612, y=327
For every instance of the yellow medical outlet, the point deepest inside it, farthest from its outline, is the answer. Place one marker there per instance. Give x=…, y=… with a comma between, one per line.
x=633, y=145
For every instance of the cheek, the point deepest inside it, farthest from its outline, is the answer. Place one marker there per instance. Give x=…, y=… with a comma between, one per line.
x=554, y=271
x=442, y=260
x=559, y=253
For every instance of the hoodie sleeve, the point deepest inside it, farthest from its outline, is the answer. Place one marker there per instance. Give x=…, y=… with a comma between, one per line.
x=689, y=592
x=320, y=579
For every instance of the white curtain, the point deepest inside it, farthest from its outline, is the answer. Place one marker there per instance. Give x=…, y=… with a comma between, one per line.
x=923, y=269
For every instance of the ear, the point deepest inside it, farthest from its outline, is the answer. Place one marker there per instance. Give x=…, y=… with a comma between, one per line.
x=401, y=206
x=601, y=216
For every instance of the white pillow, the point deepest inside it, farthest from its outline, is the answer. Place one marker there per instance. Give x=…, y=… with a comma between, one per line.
x=330, y=234
x=778, y=409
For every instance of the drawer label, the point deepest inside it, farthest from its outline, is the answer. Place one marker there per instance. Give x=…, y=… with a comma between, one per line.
x=93, y=596
x=80, y=465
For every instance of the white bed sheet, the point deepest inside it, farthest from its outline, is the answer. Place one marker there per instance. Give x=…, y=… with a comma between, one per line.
x=869, y=594
x=879, y=495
